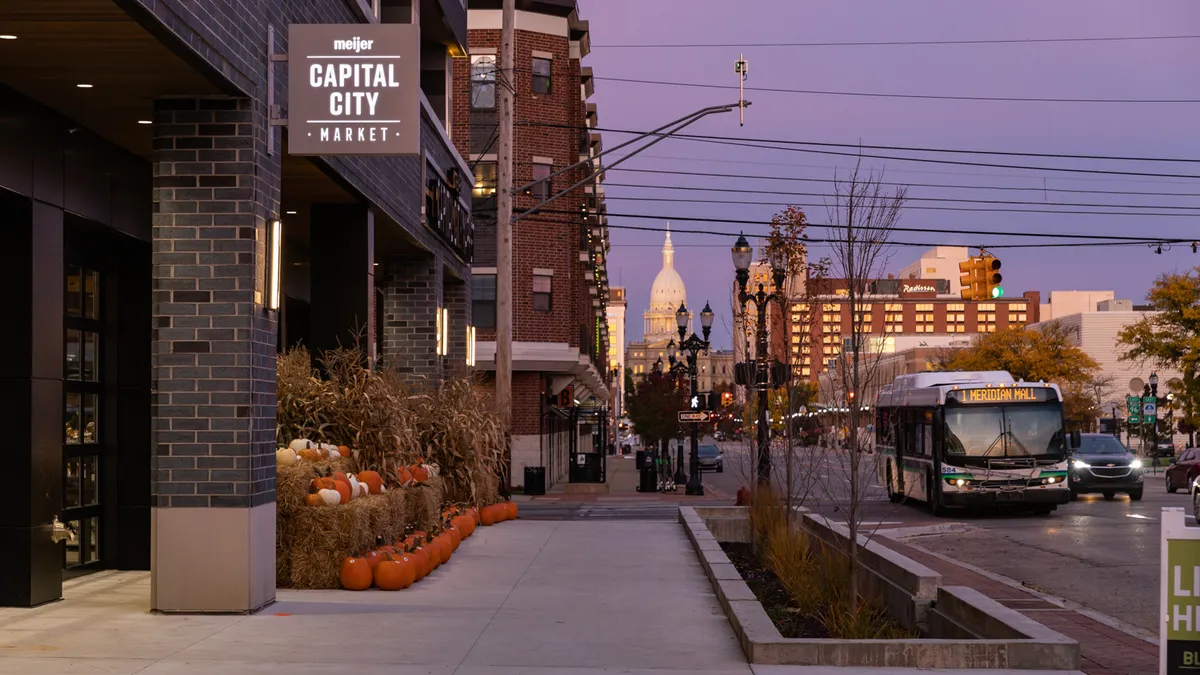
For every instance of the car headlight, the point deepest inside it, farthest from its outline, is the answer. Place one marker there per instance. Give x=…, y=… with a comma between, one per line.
x=1080, y=464
x=1135, y=464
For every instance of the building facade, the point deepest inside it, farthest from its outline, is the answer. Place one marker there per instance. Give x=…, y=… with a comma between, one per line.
x=143, y=170
x=560, y=282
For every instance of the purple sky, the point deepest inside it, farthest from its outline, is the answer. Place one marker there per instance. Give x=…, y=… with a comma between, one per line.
x=1148, y=69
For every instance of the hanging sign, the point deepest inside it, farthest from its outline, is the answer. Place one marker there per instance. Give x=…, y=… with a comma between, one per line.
x=354, y=89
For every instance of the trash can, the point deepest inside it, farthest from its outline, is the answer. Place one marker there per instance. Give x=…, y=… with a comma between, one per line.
x=639, y=462
x=649, y=478
x=535, y=480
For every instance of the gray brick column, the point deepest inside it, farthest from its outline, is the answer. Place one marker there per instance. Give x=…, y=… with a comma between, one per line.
x=215, y=192
x=457, y=298
x=413, y=294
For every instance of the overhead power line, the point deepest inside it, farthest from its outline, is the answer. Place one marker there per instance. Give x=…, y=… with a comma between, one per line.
x=900, y=43
x=751, y=143
x=872, y=94
x=923, y=244
x=935, y=230
x=1009, y=188
x=899, y=148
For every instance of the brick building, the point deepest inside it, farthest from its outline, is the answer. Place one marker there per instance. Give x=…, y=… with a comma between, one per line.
x=892, y=308
x=560, y=285
x=142, y=178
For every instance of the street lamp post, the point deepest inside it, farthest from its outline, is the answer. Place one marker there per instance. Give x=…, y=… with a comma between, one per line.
x=690, y=348
x=1116, y=422
x=1154, y=424
x=679, y=370
x=742, y=254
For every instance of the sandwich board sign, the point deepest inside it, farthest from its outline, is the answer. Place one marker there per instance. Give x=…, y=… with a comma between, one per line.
x=1179, y=583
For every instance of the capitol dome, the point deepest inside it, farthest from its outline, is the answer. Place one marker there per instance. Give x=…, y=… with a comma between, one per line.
x=666, y=295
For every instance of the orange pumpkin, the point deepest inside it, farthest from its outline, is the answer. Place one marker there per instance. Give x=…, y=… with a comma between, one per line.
x=403, y=475
x=310, y=455
x=313, y=500
x=419, y=473
x=344, y=451
x=487, y=515
x=373, y=481
x=340, y=475
x=355, y=574
x=394, y=573
x=455, y=537
x=372, y=558
x=343, y=489
x=512, y=510
x=444, y=547
x=322, y=483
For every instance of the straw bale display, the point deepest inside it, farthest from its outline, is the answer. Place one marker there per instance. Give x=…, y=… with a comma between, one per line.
x=366, y=465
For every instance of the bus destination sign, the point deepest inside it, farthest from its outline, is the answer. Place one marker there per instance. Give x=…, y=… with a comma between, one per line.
x=1003, y=395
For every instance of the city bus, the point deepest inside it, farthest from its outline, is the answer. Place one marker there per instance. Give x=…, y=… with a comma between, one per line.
x=959, y=439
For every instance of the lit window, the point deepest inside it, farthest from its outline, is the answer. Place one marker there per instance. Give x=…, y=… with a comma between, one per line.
x=955, y=307
x=485, y=179
x=483, y=82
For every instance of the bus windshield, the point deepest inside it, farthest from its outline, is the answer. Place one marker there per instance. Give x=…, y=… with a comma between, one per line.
x=1004, y=431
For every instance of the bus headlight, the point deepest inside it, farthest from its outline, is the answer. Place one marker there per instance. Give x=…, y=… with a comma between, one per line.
x=960, y=482
x=1080, y=464
x=1135, y=464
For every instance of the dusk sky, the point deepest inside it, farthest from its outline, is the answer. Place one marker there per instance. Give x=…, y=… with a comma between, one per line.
x=1150, y=69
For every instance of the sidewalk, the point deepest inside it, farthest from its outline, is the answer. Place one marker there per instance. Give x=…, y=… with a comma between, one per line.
x=521, y=598
x=1106, y=650
x=622, y=480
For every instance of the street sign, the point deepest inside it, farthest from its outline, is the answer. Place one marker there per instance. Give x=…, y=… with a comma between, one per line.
x=1179, y=586
x=695, y=416
x=1150, y=410
x=1133, y=404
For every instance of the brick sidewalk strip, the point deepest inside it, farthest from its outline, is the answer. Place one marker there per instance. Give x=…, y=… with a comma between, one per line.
x=1105, y=650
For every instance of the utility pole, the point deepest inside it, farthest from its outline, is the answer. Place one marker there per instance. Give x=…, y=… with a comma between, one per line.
x=504, y=211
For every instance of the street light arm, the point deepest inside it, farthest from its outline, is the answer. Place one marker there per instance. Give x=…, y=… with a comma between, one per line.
x=686, y=122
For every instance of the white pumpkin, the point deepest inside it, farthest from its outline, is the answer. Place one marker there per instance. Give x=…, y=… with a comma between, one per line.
x=333, y=453
x=326, y=447
x=330, y=497
x=433, y=469
x=300, y=444
x=363, y=490
x=286, y=457
x=354, y=485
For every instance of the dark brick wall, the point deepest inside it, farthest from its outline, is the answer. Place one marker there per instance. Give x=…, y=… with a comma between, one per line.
x=413, y=292
x=215, y=190
x=457, y=298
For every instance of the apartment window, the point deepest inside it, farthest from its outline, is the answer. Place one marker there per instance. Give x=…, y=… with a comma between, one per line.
x=483, y=300
x=483, y=82
x=893, y=307
x=542, y=284
x=541, y=75
x=925, y=307
x=541, y=190
x=1017, y=307
x=805, y=372
x=986, y=307
x=955, y=307
x=832, y=307
x=485, y=179
x=931, y=270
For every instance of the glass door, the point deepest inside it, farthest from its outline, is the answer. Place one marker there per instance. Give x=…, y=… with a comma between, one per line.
x=83, y=399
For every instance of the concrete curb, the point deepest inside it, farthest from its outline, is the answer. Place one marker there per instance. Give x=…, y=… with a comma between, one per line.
x=899, y=533
x=1110, y=621
x=1023, y=643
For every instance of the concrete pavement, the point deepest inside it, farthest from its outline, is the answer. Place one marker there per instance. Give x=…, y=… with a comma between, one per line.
x=534, y=597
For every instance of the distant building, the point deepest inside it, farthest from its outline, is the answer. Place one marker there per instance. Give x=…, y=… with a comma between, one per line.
x=616, y=328
x=1064, y=303
x=939, y=262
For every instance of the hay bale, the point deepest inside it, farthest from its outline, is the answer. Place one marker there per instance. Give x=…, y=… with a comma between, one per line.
x=425, y=503
x=323, y=536
x=291, y=487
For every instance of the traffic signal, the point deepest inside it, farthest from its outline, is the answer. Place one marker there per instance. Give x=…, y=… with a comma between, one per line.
x=973, y=287
x=992, y=278
x=566, y=397
x=726, y=399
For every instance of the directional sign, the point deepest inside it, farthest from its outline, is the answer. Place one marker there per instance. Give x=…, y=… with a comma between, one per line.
x=695, y=416
x=1149, y=408
x=1133, y=404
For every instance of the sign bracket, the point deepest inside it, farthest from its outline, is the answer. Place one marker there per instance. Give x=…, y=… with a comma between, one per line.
x=275, y=118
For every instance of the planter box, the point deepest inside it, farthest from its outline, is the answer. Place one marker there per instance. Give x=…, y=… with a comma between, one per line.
x=967, y=629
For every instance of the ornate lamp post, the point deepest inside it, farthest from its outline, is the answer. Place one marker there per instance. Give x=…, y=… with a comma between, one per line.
x=1154, y=424
x=679, y=370
x=691, y=348
x=742, y=257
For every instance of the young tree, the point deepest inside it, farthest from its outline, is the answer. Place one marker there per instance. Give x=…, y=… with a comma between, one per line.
x=1170, y=338
x=862, y=217
x=653, y=406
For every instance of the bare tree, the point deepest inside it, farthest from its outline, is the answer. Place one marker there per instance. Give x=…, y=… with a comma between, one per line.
x=862, y=218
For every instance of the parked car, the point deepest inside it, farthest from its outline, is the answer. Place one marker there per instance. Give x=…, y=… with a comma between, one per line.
x=1103, y=464
x=1183, y=470
x=711, y=458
